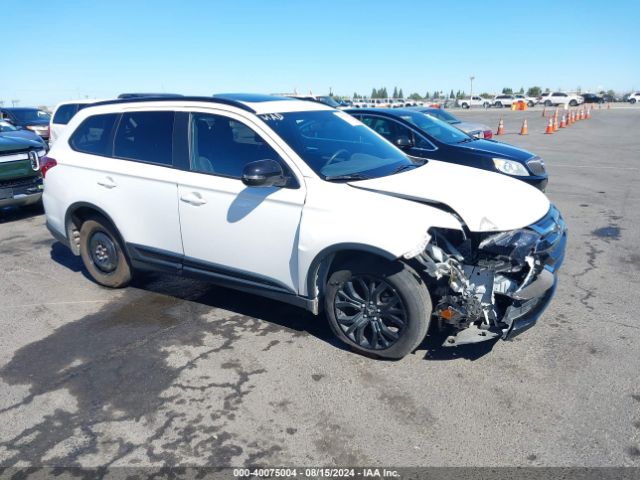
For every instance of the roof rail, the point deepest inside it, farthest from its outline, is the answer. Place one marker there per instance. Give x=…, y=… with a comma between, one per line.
x=181, y=98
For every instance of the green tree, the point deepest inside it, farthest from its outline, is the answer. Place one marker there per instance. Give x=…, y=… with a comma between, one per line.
x=395, y=92
x=486, y=95
x=383, y=92
x=521, y=91
x=534, y=91
x=415, y=96
x=436, y=94
x=400, y=94
x=451, y=95
x=507, y=91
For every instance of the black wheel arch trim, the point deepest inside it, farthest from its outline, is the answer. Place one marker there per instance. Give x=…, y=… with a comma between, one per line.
x=68, y=223
x=328, y=252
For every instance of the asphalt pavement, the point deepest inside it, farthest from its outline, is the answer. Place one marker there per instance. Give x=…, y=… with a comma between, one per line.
x=178, y=372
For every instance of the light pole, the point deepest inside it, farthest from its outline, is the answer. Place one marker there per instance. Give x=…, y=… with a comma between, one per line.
x=471, y=78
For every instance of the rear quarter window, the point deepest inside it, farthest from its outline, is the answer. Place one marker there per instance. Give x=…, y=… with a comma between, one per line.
x=94, y=134
x=64, y=113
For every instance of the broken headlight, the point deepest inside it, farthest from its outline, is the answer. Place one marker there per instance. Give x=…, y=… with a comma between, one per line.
x=510, y=167
x=515, y=244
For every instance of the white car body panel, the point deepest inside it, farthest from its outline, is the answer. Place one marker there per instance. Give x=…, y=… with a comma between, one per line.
x=238, y=224
x=498, y=203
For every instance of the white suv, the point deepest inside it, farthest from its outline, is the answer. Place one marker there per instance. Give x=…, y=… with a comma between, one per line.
x=302, y=203
x=634, y=98
x=560, y=98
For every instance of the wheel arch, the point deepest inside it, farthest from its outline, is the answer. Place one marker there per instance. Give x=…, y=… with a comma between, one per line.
x=76, y=214
x=325, y=262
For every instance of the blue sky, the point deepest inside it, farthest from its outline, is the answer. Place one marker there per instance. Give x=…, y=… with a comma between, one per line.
x=61, y=49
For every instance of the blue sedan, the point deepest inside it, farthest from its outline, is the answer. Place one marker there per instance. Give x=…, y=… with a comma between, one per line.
x=423, y=136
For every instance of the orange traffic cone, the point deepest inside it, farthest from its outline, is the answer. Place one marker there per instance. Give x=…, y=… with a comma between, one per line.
x=563, y=122
x=500, y=127
x=582, y=115
x=544, y=111
x=576, y=116
x=588, y=113
x=525, y=128
x=609, y=106
x=549, y=129
x=556, y=126
x=573, y=117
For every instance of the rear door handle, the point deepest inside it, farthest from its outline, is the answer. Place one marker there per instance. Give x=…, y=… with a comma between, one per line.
x=107, y=182
x=193, y=198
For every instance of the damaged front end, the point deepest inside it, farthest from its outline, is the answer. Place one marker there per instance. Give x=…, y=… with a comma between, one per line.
x=492, y=284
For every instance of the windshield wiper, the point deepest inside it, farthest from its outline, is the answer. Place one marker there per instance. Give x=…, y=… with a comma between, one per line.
x=347, y=176
x=402, y=168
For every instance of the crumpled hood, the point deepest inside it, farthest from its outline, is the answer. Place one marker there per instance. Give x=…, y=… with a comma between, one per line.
x=486, y=201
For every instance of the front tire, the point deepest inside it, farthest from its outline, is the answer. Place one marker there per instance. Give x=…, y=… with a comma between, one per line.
x=573, y=103
x=378, y=308
x=102, y=254
x=547, y=103
x=632, y=101
x=499, y=104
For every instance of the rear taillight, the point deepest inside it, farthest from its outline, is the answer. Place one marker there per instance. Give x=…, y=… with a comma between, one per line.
x=46, y=164
x=488, y=134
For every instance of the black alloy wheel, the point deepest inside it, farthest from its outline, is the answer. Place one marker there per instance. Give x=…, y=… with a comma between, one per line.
x=370, y=312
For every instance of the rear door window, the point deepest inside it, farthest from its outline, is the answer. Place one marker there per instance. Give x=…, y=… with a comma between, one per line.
x=145, y=137
x=94, y=135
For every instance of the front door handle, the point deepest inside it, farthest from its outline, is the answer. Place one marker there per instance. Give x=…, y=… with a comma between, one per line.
x=107, y=182
x=193, y=198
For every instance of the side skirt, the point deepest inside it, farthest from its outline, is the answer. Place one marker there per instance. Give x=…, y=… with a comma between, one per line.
x=152, y=259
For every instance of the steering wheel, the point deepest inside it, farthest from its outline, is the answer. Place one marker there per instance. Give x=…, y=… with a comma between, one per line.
x=335, y=156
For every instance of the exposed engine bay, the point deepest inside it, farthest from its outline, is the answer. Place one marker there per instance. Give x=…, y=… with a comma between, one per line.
x=489, y=285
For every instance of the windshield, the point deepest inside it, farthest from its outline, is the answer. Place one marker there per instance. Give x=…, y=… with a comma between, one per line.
x=334, y=144
x=6, y=127
x=437, y=129
x=29, y=115
x=442, y=115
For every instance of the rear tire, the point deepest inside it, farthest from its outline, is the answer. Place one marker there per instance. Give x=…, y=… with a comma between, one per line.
x=632, y=101
x=573, y=103
x=378, y=308
x=499, y=104
x=102, y=254
x=547, y=103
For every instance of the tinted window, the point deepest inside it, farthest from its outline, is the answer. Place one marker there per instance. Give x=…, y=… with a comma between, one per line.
x=93, y=135
x=145, y=136
x=65, y=113
x=335, y=144
x=223, y=146
x=387, y=128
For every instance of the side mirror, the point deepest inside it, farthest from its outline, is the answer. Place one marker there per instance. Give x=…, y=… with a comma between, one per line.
x=403, y=142
x=263, y=173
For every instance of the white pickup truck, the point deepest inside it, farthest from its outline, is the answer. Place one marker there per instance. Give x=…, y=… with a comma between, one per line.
x=474, y=101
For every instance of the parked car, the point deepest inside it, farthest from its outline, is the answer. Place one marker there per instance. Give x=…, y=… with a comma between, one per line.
x=549, y=99
x=63, y=113
x=477, y=130
x=504, y=100
x=473, y=101
x=20, y=178
x=530, y=101
x=423, y=136
x=303, y=203
x=592, y=98
x=634, y=97
x=8, y=130
x=30, y=118
x=324, y=99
